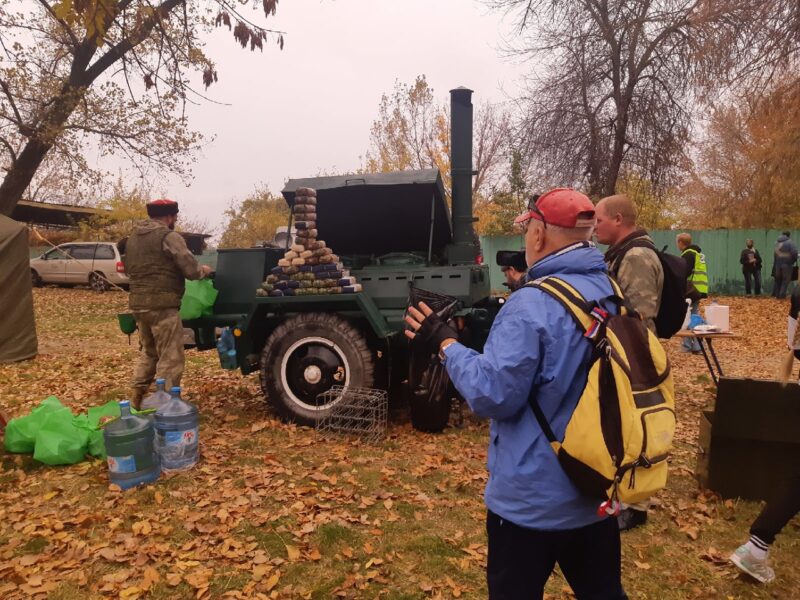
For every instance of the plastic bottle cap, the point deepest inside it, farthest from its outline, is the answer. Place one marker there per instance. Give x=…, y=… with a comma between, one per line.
x=161, y=381
x=124, y=403
x=175, y=389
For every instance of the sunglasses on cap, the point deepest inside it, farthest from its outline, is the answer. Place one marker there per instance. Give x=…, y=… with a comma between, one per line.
x=533, y=213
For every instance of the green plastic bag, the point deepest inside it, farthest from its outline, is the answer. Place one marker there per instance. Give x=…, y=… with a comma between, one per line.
x=21, y=432
x=97, y=446
x=198, y=299
x=63, y=439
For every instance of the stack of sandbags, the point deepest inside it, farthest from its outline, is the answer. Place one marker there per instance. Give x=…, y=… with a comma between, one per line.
x=309, y=267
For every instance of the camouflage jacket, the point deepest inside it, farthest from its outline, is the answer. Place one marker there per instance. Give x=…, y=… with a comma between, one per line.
x=640, y=275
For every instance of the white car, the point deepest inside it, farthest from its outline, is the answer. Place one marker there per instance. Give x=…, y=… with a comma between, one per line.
x=92, y=263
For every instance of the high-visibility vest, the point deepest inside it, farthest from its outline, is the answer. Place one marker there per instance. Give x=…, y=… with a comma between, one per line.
x=699, y=275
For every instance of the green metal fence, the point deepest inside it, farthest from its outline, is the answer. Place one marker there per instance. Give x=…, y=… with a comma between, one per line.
x=722, y=248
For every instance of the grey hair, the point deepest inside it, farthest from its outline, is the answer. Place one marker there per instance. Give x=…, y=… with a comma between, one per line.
x=573, y=234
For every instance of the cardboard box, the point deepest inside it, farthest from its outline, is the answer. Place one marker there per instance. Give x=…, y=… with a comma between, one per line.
x=755, y=437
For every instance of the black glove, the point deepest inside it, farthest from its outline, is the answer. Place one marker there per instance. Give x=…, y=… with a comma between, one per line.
x=433, y=331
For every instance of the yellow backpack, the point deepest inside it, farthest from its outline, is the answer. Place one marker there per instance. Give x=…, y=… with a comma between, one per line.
x=617, y=441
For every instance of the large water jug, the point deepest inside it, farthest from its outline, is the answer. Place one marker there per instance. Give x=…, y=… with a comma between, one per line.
x=158, y=398
x=130, y=450
x=177, y=428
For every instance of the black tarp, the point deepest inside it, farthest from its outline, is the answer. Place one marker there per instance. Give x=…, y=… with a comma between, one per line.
x=17, y=325
x=379, y=213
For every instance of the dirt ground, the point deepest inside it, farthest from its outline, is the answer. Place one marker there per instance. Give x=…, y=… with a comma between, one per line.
x=275, y=511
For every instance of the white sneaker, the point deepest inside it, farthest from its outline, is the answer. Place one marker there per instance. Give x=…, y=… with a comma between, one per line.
x=757, y=568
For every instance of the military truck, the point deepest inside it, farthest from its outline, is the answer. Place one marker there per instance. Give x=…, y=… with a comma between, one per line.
x=395, y=234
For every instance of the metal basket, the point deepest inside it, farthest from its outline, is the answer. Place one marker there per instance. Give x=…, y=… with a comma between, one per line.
x=360, y=412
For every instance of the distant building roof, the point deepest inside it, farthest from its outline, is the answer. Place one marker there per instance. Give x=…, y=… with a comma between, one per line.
x=53, y=215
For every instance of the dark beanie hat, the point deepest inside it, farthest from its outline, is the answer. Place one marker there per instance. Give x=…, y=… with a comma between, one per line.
x=162, y=208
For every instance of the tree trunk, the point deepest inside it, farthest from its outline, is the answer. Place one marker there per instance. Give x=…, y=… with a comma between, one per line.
x=23, y=169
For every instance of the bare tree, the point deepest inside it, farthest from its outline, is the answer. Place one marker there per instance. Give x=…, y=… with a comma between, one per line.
x=113, y=71
x=611, y=93
x=746, y=45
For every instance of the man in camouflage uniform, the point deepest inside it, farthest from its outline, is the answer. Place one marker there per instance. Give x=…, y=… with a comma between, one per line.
x=633, y=262
x=157, y=262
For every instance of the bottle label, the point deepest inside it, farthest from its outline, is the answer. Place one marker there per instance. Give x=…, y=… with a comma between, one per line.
x=181, y=438
x=122, y=464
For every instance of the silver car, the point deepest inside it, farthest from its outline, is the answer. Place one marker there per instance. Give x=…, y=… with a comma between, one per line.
x=92, y=263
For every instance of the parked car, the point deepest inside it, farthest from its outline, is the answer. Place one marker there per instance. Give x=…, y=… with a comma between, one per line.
x=92, y=263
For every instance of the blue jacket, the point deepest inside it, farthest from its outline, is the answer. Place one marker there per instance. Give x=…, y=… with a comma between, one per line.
x=785, y=252
x=533, y=342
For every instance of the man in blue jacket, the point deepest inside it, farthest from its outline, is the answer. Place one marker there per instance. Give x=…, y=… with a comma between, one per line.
x=536, y=517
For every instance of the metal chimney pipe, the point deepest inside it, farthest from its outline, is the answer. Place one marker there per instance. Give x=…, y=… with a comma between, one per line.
x=464, y=248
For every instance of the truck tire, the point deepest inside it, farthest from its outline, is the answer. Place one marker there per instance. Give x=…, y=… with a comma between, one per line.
x=305, y=356
x=430, y=404
x=36, y=280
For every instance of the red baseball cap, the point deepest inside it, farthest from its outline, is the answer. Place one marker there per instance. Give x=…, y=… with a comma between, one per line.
x=563, y=207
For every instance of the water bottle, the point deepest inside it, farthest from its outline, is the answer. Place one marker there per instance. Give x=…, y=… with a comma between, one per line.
x=157, y=399
x=177, y=426
x=226, y=348
x=130, y=451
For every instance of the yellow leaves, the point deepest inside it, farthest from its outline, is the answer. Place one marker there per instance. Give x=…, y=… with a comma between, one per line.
x=142, y=527
x=173, y=579
x=51, y=495
x=270, y=584
x=256, y=427
x=150, y=578
x=92, y=15
x=259, y=571
x=292, y=552
x=130, y=593
x=642, y=565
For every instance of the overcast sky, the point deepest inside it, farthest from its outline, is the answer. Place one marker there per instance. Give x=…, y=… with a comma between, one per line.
x=308, y=108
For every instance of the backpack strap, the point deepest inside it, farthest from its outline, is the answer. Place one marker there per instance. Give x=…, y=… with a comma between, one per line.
x=589, y=317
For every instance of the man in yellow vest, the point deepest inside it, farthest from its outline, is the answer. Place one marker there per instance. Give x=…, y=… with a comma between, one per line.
x=698, y=281
x=158, y=262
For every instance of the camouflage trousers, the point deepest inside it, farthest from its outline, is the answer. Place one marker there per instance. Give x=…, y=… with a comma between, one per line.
x=161, y=344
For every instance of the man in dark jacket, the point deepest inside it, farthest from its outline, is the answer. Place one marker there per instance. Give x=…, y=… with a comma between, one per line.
x=784, y=259
x=751, y=268
x=536, y=516
x=158, y=262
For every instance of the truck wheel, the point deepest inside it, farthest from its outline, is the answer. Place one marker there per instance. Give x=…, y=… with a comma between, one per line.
x=430, y=401
x=305, y=356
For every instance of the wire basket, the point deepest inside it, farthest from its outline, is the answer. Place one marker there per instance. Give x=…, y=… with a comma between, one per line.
x=360, y=412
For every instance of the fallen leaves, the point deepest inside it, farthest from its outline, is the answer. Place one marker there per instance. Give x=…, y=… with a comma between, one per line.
x=274, y=512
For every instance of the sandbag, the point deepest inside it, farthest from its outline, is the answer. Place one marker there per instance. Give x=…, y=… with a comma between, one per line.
x=305, y=192
x=198, y=299
x=21, y=432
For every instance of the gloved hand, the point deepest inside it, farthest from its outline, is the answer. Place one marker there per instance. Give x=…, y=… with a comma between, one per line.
x=429, y=329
